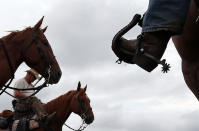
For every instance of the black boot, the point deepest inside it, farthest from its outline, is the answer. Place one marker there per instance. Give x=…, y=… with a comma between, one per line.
x=145, y=51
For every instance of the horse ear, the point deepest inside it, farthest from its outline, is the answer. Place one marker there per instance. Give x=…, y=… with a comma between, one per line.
x=44, y=29
x=79, y=86
x=37, y=26
x=85, y=88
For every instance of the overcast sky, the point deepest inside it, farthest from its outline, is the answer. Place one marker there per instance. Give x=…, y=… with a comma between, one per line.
x=123, y=97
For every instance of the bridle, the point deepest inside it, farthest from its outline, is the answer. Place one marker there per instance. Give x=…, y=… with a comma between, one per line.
x=47, y=62
x=83, y=111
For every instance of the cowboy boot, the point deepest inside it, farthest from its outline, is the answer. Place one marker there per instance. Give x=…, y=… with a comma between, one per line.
x=145, y=51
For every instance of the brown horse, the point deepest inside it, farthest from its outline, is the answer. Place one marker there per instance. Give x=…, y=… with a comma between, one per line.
x=75, y=101
x=30, y=46
x=187, y=45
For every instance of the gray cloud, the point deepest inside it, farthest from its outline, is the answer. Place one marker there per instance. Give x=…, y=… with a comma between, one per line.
x=123, y=97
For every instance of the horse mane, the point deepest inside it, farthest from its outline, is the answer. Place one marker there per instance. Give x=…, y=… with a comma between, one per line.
x=10, y=36
x=14, y=33
x=49, y=106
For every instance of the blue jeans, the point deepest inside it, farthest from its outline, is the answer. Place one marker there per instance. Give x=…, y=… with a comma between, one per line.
x=169, y=15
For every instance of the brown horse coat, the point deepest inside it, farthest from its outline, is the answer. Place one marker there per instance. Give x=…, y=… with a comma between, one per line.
x=187, y=45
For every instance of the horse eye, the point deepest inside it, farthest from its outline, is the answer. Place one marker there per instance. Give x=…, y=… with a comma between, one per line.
x=45, y=43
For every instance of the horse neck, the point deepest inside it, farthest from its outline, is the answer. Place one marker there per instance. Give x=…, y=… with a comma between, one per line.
x=13, y=49
x=187, y=42
x=61, y=106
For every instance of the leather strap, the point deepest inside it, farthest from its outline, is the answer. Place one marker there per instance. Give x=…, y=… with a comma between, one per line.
x=8, y=58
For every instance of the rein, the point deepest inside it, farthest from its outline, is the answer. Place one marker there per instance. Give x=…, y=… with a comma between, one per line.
x=10, y=65
x=34, y=39
x=45, y=84
x=83, y=125
x=81, y=128
x=36, y=88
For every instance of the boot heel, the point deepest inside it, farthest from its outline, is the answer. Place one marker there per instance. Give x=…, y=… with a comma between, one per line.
x=145, y=62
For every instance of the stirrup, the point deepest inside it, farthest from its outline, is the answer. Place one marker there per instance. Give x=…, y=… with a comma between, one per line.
x=115, y=42
x=147, y=61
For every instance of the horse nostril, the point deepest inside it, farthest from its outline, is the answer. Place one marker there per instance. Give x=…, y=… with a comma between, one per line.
x=89, y=120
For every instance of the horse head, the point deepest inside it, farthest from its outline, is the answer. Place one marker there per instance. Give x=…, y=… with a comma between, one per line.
x=38, y=54
x=80, y=104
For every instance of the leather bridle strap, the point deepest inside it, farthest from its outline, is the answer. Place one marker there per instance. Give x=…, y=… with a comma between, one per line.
x=43, y=57
x=9, y=63
x=82, y=126
x=8, y=58
x=34, y=39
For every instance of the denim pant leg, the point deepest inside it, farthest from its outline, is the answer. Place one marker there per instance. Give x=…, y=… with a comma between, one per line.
x=38, y=107
x=169, y=15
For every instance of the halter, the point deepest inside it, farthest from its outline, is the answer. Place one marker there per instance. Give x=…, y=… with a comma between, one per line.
x=41, y=52
x=43, y=57
x=82, y=115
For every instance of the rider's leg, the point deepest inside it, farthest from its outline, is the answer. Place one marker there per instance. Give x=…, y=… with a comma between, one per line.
x=40, y=111
x=168, y=15
x=38, y=107
x=163, y=19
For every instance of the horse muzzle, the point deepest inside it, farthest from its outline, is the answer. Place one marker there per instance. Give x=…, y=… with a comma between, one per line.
x=53, y=76
x=89, y=119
